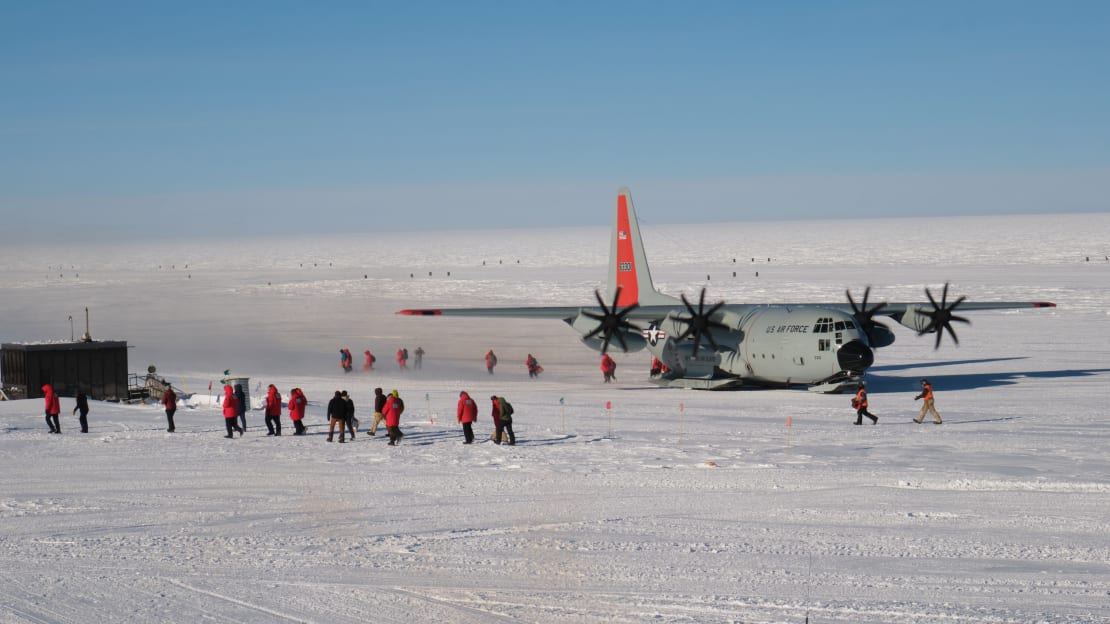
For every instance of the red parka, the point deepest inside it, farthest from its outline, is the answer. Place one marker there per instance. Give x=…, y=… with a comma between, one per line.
x=273, y=402
x=169, y=399
x=392, y=410
x=52, y=405
x=297, y=402
x=496, y=413
x=468, y=409
x=231, y=404
x=608, y=364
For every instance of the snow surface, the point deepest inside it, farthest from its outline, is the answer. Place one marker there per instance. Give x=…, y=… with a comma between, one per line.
x=673, y=506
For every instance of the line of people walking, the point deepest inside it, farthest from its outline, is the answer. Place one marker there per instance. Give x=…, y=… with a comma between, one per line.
x=860, y=404
x=346, y=360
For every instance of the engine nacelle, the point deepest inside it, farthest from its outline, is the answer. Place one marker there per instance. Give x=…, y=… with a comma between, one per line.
x=914, y=319
x=635, y=342
x=880, y=337
x=583, y=324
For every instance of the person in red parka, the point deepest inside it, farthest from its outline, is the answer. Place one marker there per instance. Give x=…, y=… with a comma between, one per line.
x=169, y=401
x=392, y=411
x=231, y=412
x=273, y=411
x=467, y=415
x=502, y=419
x=608, y=368
x=491, y=361
x=369, y=364
x=533, y=365
x=53, y=408
x=297, y=402
x=401, y=359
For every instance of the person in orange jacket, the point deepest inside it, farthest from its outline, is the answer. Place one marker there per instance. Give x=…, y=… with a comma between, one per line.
x=467, y=414
x=231, y=412
x=860, y=403
x=928, y=407
x=608, y=367
x=53, y=408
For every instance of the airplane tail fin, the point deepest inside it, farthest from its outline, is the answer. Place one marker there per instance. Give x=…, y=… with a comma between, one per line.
x=628, y=266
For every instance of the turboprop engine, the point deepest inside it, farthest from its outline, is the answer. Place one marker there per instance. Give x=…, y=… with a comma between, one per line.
x=633, y=341
x=607, y=329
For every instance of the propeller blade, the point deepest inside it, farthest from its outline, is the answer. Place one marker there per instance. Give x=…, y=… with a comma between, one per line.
x=624, y=345
x=952, y=332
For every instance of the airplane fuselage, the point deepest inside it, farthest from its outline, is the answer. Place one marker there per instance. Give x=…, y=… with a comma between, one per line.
x=783, y=345
x=774, y=345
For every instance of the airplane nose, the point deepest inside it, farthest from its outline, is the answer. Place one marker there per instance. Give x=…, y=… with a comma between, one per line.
x=855, y=357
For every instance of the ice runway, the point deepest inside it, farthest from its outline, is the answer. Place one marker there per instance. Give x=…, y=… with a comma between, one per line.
x=673, y=506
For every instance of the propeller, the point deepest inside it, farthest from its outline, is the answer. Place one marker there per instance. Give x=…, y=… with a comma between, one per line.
x=611, y=321
x=865, y=316
x=699, y=323
x=941, y=316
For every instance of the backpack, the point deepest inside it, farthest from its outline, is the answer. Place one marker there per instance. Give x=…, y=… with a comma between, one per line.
x=506, y=409
x=399, y=405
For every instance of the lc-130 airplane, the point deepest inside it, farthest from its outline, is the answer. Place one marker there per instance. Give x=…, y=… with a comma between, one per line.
x=825, y=346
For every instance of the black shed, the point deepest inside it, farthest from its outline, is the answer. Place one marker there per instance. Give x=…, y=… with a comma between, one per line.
x=98, y=368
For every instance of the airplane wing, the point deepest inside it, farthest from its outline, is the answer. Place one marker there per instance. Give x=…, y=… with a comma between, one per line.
x=655, y=312
x=557, y=312
x=896, y=309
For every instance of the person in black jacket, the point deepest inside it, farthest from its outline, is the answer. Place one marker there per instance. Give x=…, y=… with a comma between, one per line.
x=379, y=403
x=337, y=415
x=241, y=397
x=350, y=420
x=83, y=407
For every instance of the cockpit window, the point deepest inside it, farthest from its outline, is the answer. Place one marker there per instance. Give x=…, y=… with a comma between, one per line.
x=840, y=326
x=824, y=325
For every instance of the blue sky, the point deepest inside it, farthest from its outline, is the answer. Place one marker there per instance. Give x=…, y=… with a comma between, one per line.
x=280, y=117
